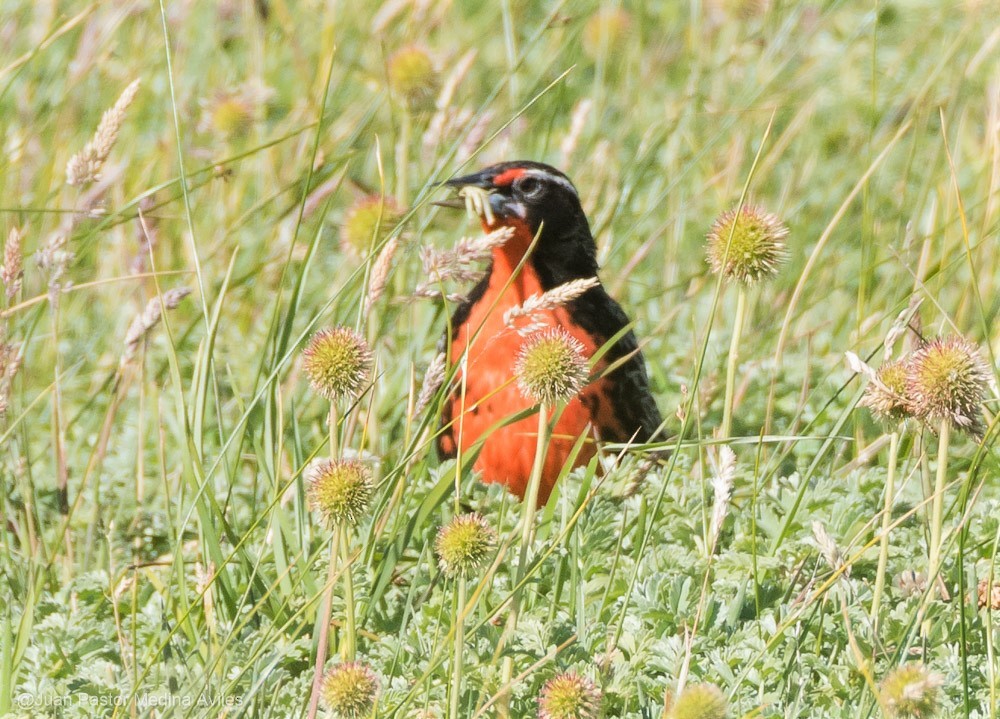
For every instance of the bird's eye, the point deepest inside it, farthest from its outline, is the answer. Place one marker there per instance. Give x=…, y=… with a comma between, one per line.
x=529, y=186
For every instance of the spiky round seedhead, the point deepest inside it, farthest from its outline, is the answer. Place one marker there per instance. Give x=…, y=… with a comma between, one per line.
x=231, y=116
x=885, y=396
x=349, y=690
x=413, y=77
x=700, y=701
x=757, y=249
x=368, y=223
x=946, y=380
x=606, y=31
x=551, y=366
x=337, y=362
x=911, y=692
x=464, y=544
x=569, y=696
x=340, y=490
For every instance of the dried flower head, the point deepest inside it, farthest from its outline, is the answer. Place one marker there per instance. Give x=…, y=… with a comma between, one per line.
x=700, y=701
x=551, y=367
x=340, y=490
x=85, y=166
x=13, y=263
x=569, y=696
x=885, y=395
x=231, y=113
x=911, y=692
x=337, y=362
x=988, y=594
x=946, y=380
x=757, y=248
x=464, y=544
x=367, y=223
x=412, y=76
x=349, y=690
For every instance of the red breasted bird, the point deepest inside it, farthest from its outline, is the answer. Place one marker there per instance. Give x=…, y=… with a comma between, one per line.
x=616, y=407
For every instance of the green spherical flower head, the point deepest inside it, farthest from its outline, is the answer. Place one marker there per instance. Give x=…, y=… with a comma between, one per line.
x=413, y=77
x=232, y=116
x=757, y=248
x=551, y=367
x=700, y=701
x=340, y=490
x=349, y=690
x=464, y=544
x=569, y=696
x=946, y=379
x=337, y=362
x=606, y=32
x=911, y=692
x=886, y=396
x=367, y=224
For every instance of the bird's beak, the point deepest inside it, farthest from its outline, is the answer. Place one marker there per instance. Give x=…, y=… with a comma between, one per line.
x=456, y=203
x=481, y=180
x=490, y=203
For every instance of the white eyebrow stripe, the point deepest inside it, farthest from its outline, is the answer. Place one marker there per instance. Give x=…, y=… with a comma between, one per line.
x=559, y=180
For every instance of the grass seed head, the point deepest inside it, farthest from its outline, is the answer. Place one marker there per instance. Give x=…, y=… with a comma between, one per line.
x=700, y=701
x=85, y=166
x=367, y=223
x=464, y=544
x=569, y=696
x=337, y=362
x=911, y=692
x=12, y=271
x=349, y=690
x=340, y=490
x=886, y=396
x=946, y=380
x=413, y=77
x=551, y=367
x=757, y=249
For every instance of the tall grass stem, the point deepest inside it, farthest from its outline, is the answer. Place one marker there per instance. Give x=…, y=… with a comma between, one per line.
x=734, y=355
x=883, y=554
x=937, y=505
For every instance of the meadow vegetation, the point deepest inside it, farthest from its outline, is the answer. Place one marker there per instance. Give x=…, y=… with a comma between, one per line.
x=190, y=191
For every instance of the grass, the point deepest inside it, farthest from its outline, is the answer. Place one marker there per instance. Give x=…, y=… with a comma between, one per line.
x=157, y=544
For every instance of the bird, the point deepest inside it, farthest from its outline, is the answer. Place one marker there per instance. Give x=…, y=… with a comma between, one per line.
x=532, y=199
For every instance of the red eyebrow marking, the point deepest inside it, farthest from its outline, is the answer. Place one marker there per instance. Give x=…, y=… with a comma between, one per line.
x=507, y=177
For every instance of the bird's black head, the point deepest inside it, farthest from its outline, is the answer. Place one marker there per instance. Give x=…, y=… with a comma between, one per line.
x=531, y=196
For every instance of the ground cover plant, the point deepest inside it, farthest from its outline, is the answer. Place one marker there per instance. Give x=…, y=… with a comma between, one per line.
x=220, y=380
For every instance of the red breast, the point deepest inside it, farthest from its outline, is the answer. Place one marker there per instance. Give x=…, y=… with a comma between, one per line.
x=491, y=393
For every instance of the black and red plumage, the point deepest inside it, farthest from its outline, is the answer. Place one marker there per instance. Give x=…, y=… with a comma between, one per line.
x=617, y=406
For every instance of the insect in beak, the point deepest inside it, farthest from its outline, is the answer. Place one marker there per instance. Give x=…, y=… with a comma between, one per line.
x=477, y=203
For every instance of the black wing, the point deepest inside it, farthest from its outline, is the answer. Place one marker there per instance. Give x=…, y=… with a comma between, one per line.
x=637, y=418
